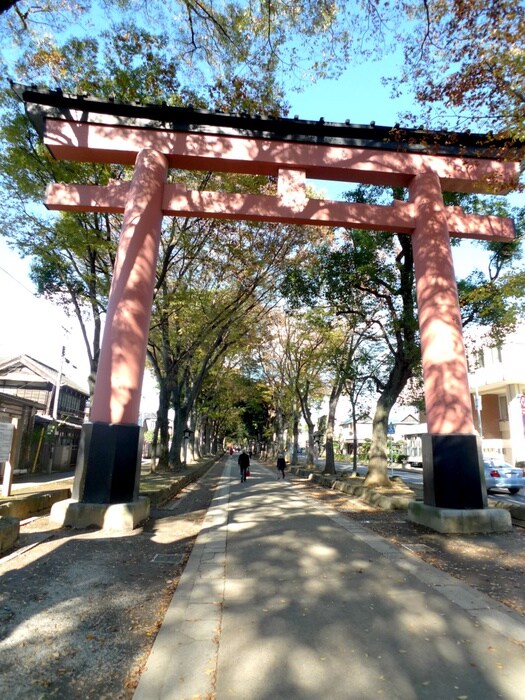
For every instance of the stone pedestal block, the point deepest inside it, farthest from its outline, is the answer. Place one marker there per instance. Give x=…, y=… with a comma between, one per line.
x=117, y=516
x=455, y=521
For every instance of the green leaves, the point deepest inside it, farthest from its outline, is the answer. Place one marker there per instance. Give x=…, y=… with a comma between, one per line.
x=465, y=60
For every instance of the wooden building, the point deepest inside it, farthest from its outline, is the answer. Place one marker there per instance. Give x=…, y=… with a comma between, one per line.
x=47, y=432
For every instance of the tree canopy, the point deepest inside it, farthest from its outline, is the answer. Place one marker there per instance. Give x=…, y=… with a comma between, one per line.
x=464, y=61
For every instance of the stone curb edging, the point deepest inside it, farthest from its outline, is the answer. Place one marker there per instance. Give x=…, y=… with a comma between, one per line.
x=189, y=635
x=517, y=513
x=158, y=497
x=20, y=507
x=373, y=497
x=386, y=501
x=26, y=505
x=9, y=532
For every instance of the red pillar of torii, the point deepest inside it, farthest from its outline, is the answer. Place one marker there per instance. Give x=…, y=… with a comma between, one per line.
x=91, y=131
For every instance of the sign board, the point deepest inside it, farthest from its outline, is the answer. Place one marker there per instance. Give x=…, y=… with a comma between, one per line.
x=6, y=440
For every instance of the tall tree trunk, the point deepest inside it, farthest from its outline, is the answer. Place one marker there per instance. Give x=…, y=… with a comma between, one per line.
x=332, y=408
x=378, y=459
x=355, y=439
x=378, y=463
x=310, y=456
x=195, y=438
x=202, y=435
x=279, y=430
x=406, y=355
x=307, y=415
x=295, y=429
x=162, y=447
x=179, y=423
x=215, y=438
x=154, y=446
x=207, y=436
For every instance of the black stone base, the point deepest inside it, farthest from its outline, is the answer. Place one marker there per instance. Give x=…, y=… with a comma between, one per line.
x=453, y=472
x=108, y=464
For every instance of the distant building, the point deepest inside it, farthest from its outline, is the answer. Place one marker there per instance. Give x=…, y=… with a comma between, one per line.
x=345, y=433
x=48, y=434
x=398, y=428
x=497, y=386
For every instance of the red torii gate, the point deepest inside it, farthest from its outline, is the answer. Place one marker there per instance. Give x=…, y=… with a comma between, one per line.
x=155, y=138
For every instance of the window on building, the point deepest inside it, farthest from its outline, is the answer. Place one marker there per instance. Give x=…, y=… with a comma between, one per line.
x=503, y=408
x=480, y=358
x=495, y=355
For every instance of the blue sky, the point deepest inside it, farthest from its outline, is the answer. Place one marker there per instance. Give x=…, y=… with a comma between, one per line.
x=358, y=95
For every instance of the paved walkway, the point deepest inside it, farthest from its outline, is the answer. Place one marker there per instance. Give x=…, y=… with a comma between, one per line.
x=285, y=599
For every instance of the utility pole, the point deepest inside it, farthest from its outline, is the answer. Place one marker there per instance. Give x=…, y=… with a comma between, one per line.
x=58, y=384
x=478, y=405
x=54, y=414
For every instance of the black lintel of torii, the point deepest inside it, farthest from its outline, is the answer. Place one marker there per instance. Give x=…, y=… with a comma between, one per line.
x=41, y=104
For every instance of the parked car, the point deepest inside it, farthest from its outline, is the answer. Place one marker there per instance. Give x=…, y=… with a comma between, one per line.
x=502, y=475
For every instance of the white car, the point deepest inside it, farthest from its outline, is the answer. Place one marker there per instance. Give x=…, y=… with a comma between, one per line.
x=502, y=475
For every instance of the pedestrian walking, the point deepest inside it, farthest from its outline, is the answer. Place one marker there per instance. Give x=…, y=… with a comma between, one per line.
x=281, y=465
x=244, y=464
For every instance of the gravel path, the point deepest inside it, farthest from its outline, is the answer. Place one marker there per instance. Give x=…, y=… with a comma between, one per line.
x=79, y=610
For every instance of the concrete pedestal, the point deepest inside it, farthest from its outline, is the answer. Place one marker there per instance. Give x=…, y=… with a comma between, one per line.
x=456, y=521
x=9, y=533
x=116, y=516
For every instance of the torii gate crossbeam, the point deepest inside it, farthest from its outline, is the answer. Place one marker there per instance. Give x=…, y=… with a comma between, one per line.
x=156, y=139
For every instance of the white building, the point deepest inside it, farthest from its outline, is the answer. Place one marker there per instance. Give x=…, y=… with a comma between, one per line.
x=497, y=385
x=404, y=429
